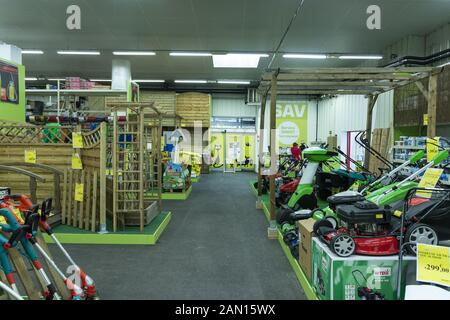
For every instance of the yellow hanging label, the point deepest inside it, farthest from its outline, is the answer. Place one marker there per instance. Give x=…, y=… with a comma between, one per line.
x=77, y=140
x=79, y=191
x=432, y=148
x=425, y=119
x=429, y=180
x=76, y=162
x=433, y=264
x=30, y=156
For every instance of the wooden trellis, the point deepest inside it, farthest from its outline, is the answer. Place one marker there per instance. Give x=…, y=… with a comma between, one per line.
x=136, y=162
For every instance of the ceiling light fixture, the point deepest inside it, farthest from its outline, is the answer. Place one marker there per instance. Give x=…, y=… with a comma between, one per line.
x=360, y=57
x=101, y=80
x=190, y=54
x=56, y=79
x=237, y=60
x=76, y=52
x=134, y=53
x=304, y=56
x=150, y=81
x=32, y=52
x=191, y=81
x=233, y=82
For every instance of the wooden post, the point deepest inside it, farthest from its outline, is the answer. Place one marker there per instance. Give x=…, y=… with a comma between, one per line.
x=273, y=145
x=432, y=105
x=102, y=175
x=142, y=148
x=57, y=191
x=115, y=171
x=262, y=114
x=371, y=104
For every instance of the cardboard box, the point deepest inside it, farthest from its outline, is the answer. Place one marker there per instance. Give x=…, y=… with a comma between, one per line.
x=305, y=232
x=337, y=278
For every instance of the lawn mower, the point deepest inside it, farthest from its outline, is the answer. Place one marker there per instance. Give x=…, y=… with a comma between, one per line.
x=369, y=229
x=364, y=292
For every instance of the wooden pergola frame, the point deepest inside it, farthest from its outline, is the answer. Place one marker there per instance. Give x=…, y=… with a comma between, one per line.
x=370, y=82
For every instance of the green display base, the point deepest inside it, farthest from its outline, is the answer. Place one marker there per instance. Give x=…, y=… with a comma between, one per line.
x=176, y=195
x=301, y=277
x=131, y=235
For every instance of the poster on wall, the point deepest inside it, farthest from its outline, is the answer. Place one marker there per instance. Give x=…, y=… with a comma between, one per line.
x=9, y=83
x=292, y=123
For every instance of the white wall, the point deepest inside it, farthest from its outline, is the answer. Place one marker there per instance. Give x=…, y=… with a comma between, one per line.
x=231, y=106
x=349, y=112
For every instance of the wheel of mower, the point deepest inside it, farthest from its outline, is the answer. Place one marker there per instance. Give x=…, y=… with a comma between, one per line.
x=343, y=245
x=321, y=223
x=333, y=221
x=420, y=233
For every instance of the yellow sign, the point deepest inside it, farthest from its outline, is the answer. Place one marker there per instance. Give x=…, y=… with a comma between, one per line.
x=429, y=180
x=30, y=156
x=79, y=191
x=432, y=148
x=433, y=264
x=76, y=162
x=425, y=119
x=77, y=140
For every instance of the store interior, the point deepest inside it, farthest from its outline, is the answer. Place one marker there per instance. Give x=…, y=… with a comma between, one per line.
x=225, y=150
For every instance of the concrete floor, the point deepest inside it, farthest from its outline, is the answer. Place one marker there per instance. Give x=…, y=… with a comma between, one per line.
x=215, y=247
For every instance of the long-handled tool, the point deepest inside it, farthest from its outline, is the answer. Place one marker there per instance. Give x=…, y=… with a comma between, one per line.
x=10, y=291
x=18, y=234
x=6, y=264
x=87, y=283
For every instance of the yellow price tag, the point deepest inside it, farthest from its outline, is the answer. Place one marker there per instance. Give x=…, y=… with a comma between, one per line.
x=30, y=156
x=433, y=264
x=429, y=180
x=425, y=119
x=432, y=148
x=76, y=162
x=77, y=140
x=79, y=192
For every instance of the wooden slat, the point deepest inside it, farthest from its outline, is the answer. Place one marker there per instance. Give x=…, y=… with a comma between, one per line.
x=75, y=203
x=23, y=274
x=70, y=197
x=88, y=200
x=81, y=204
x=94, y=201
x=64, y=199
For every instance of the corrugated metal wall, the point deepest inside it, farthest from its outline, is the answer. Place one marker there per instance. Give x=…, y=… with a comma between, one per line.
x=348, y=113
x=231, y=106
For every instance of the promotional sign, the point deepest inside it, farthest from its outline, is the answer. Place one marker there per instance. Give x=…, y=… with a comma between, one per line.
x=79, y=191
x=77, y=140
x=432, y=148
x=433, y=264
x=292, y=123
x=240, y=150
x=429, y=180
x=9, y=83
x=30, y=156
x=76, y=162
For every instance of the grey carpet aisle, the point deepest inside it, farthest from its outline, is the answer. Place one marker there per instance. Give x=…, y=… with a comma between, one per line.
x=215, y=247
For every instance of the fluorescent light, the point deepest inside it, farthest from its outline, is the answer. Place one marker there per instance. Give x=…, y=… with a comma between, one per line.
x=101, y=80
x=56, y=79
x=191, y=81
x=32, y=52
x=190, y=54
x=134, y=53
x=232, y=82
x=360, y=57
x=30, y=79
x=73, y=52
x=237, y=60
x=305, y=56
x=150, y=81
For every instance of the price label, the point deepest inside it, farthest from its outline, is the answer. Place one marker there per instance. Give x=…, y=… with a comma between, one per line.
x=77, y=140
x=432, y=148
x=79, y=192
x=429, y=180
x=76, y=162
x=30, y=156
x=433, y=264
x=425, y=119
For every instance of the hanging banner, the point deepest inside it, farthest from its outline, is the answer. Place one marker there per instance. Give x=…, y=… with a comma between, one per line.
x=433, y=264
x=79, y=191
x=30, y=156
x=9, y=83
x=292, y=123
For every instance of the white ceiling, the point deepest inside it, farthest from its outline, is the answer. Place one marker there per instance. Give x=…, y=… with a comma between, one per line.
x=208, y=25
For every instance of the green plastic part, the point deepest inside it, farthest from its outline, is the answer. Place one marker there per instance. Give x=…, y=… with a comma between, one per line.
x=417, y=156
x=302, y=190
x=318, y=154
x=441, y=156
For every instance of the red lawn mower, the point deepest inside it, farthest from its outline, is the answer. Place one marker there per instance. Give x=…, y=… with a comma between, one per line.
x=368, y=229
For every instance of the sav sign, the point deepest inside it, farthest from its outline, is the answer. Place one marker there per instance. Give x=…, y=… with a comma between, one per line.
x=292, y=123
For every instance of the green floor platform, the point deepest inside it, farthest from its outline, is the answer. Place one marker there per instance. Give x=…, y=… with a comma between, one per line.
x=196, y=179
x=301, y=277
x=131, y=235
x=176, y=195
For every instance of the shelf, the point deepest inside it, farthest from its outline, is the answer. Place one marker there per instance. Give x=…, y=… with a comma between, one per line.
x=408, y=148
x=90, y=92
